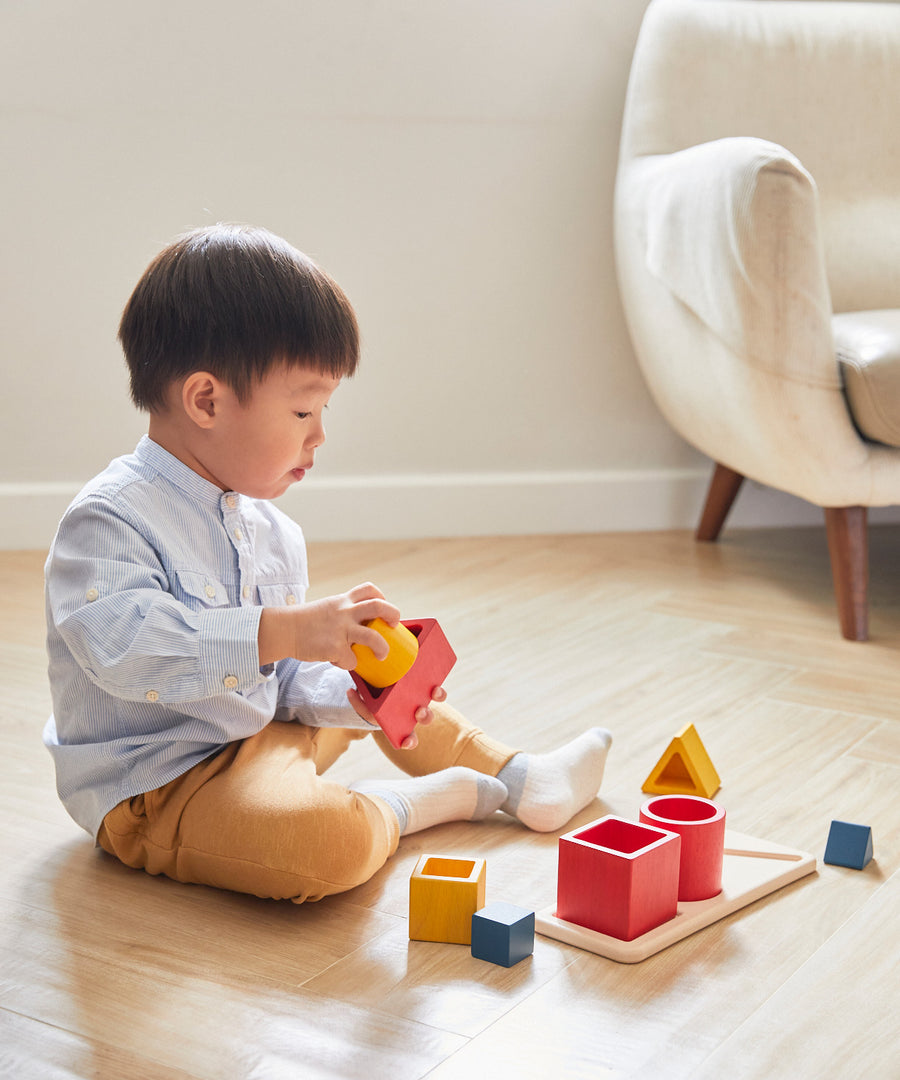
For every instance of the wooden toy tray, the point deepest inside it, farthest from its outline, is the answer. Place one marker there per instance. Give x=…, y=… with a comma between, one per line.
x=751, y=869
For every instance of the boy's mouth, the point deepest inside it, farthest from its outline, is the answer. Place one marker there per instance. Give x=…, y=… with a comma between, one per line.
x=298, y=474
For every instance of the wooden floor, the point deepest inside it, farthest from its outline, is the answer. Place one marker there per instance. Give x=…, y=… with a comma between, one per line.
x=110, y=973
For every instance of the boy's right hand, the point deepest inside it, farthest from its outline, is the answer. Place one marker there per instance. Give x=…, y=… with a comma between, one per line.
x=326, y=629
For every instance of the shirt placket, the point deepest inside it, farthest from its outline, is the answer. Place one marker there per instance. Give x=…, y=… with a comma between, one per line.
x=236, y=528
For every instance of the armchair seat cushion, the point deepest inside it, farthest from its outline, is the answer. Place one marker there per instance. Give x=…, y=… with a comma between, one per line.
x=867, y=347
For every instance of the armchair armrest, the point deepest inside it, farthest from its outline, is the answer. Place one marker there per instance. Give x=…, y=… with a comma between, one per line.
x=731, y=229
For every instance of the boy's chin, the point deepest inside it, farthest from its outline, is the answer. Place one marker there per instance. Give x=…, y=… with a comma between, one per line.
x=280, y=488
x=274, y=488
x=274, y=492
x=264, y=491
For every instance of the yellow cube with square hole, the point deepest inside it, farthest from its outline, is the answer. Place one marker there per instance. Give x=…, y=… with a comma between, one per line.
x=444, y=894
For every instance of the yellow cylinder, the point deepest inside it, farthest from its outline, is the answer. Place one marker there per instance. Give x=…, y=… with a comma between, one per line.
x=403, y=651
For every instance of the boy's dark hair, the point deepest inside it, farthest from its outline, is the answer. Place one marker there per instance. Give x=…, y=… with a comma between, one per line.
x=236, y=301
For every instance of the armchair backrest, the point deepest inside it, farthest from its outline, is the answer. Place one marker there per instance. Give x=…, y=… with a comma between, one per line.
x=821, y=79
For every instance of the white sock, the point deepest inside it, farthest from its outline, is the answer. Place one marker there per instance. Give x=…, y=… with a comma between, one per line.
x=548, y=790
x=455, y=794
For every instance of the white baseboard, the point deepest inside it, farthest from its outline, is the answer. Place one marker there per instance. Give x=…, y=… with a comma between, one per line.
x=506, y=504
x=495, y=504
x=487, y=504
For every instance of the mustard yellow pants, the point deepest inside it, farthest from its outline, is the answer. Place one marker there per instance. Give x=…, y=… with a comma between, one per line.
x=258, y=817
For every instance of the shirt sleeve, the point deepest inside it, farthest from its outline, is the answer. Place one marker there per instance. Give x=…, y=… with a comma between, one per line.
x=315, y=694
x=108, y=597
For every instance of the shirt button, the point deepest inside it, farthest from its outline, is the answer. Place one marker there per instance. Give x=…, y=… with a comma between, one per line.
x=91, y=595
x=245, y=592
x=238, y=535
x=230, y=682
x=210, y=591
x=152, y=695
x=290, y=598
x=230, y=501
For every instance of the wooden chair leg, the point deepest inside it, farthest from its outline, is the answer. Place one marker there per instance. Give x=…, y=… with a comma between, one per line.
x=848, y=545
x=723, y=489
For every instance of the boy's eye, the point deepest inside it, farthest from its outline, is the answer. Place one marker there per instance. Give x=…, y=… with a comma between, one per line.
x=303, y=415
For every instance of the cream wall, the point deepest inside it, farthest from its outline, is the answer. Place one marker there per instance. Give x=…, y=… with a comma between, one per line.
x=451, y=162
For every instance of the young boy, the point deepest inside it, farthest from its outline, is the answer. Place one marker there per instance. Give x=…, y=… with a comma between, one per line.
x=197, y=698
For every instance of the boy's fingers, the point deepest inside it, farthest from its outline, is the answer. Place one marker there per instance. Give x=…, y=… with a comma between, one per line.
x=377, y=609
x=347, y=660
x=356, y=703
x=366, y=591
x=369, y=603
x=362, y=635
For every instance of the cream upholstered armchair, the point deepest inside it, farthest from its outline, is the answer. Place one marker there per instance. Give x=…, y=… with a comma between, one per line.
x=758, y=252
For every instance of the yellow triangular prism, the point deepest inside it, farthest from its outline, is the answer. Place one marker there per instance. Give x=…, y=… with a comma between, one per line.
x=684, y=769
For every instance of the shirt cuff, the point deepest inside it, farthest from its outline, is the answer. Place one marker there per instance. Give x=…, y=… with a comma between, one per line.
x=229, y=649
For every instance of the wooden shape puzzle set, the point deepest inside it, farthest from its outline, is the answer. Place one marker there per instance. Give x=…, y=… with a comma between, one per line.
x=752, y=869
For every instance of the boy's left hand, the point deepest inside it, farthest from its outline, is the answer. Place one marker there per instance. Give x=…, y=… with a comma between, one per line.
x=424, y=715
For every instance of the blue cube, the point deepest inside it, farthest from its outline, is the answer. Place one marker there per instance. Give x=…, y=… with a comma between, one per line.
x=849, y=845
x=502, y=933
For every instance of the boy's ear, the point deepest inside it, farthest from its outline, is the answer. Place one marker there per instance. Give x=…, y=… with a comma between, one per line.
x=201, y=397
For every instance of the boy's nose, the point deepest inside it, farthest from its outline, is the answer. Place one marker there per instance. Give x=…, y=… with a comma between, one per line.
x=316, y=436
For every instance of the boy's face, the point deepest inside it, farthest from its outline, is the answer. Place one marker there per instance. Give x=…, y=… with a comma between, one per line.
x=261, y=447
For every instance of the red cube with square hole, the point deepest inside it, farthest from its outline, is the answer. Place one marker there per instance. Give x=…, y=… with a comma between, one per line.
x=618, y=877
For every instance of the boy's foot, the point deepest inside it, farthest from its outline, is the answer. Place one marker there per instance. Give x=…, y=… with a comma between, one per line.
x=455, y=794
x=548, y=790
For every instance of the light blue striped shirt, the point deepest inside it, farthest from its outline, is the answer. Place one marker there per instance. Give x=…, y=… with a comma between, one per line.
x=155, y=584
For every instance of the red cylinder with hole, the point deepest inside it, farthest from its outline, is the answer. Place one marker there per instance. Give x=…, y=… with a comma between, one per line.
x=701, y=825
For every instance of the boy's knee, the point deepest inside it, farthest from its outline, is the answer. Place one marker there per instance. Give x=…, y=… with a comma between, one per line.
x=320, y=859
x=338, y=847
x=356, y=840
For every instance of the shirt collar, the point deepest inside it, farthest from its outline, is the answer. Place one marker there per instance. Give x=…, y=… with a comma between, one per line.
x=150, y=453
